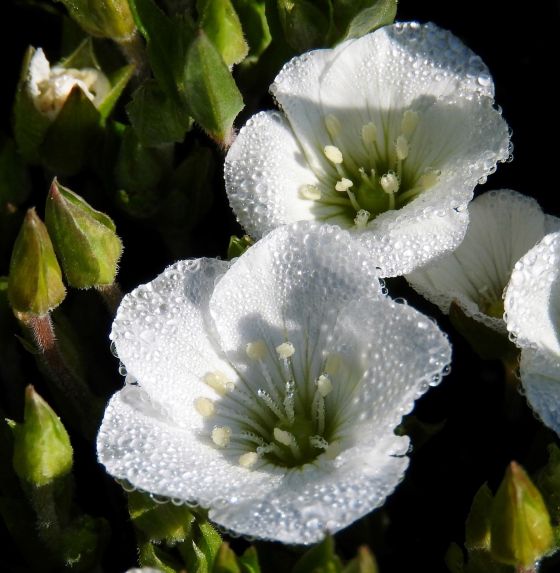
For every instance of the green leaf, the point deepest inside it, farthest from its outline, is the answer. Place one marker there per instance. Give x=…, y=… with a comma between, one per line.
x=477, y=526
x=212, y=96
x=319, y=559
x=118, y=82
x=380, y=13
x=252, y=14
x=364, y=562
x=249, y=561
x=226, y=561
x=221, y=24
x=82, y=57
x=305, y=24
x=238, y=245
x=151, y=555
x=160, y=521
x=157, y=118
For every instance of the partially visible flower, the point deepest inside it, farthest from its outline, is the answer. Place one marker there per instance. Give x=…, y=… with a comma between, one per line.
x=503, y=226
x=386, y=135
x=50, y=87
x=532, y=305
x=268, y=389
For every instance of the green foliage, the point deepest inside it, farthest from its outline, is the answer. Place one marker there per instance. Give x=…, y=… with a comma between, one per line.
x=320, y=559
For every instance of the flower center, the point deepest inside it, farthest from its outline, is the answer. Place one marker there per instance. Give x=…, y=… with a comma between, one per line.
x=278, y=419
x=490, y=304
x=386, y=180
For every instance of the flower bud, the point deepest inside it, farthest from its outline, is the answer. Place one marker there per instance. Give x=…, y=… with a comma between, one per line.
x=103, y=19
x=35, y=281
x=42, y=450
x=84, y=239
x=521, y=532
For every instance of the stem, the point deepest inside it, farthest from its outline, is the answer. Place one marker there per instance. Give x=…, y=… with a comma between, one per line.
x=135, y=53
x=112, y=296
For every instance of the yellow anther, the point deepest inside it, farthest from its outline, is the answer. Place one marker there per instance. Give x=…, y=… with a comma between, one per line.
x=221, y=436
x=343, y=185
x=429, y=179
x=324, y=385
x=205, y=407
x=389, y=182
x=401, y=147
x=256, y=350
x=369, y=133
x=285, y=350
x=333, y=154
x=219, y=382
x=409, y=122
x=361, y=219
x=283, y=437
x=310, y=192
x=248, y=460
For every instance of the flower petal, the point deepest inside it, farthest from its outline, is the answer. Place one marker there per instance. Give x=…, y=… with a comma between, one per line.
x=540, y=375
x=291, y=286
x=503, y=226
x=264, y=172
x=532, y=300
x=160, y=333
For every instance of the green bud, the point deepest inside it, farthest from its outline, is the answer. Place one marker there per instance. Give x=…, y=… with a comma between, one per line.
x=221, y=23
x=365, y=17
x=226, y=560
x=520, y=524
x=477, y=527
x=42, y=450
x=320, y=559
x=249, y=561
x=364, y=562
x=238, y=245
x=103, y=18
x=84, y=239
x=35, y=281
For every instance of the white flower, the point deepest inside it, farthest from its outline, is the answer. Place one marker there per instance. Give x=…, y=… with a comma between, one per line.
x=386, y=135
x=532, y=305
x=50, y=87
x=503, y=226
x=268, y=389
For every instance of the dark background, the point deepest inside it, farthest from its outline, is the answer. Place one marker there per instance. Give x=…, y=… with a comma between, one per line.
x=486, y=424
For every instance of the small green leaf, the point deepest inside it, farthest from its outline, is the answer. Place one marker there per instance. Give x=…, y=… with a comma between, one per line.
x=380, y=13
x=157, y=118
x=118, y=82
x=42, y=450
x=212, y=96
x=477, y=526
x=249, y=561
x=319, y=559
x=252, y=14
x=305, y=24
x=226, y=561
x=221, y=24
x=238, y=245
x=364, y=562
x=151, y=555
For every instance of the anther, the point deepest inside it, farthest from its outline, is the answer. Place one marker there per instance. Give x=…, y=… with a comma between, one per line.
x=310, y=192
x=205, y=407
x=333, y=450
x=401, y=147
x=343, y=185
x=248, y=460
x=361, y=219
x=219, y=382
x=324, y=385
x=389, y=182
x=429, y=178
x=409, y=122
x=333, y=126
x=221, y=436
x=319, y=442
x=369, y=133
x=285, y=350
x=256, y=350
x=333, y=154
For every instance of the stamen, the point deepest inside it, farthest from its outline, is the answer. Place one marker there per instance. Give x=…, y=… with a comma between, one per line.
x=409, y=122
x=333, y=126
x=333, y=154
x=267, y=399
x=310, y=192
x=289, y=401
x=287, y=439
x=256, y=350
x=221, y=436
x=361, y=219
x=324, y=385
x=285, y=350
x=318, y=411
x=401, y=147
x=205, y=407
x=343, y=185
x=319, y=442
x=248, y=460
x=429, y=178
x=389, y=183
x=219, y=382
x=369, y=134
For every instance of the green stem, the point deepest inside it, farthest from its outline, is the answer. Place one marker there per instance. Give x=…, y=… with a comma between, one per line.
x=112, y=296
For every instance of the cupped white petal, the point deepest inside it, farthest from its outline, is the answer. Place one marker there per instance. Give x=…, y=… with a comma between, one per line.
x=503, y=226
x=532, y=299
x=540, y=376
x=161, y=335
x=291, y=286
x=266, y=172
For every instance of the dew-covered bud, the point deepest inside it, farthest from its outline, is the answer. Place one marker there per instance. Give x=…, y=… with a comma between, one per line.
x=35, y=280
x=42, y=450
x=84, y=239
x=521, y=532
